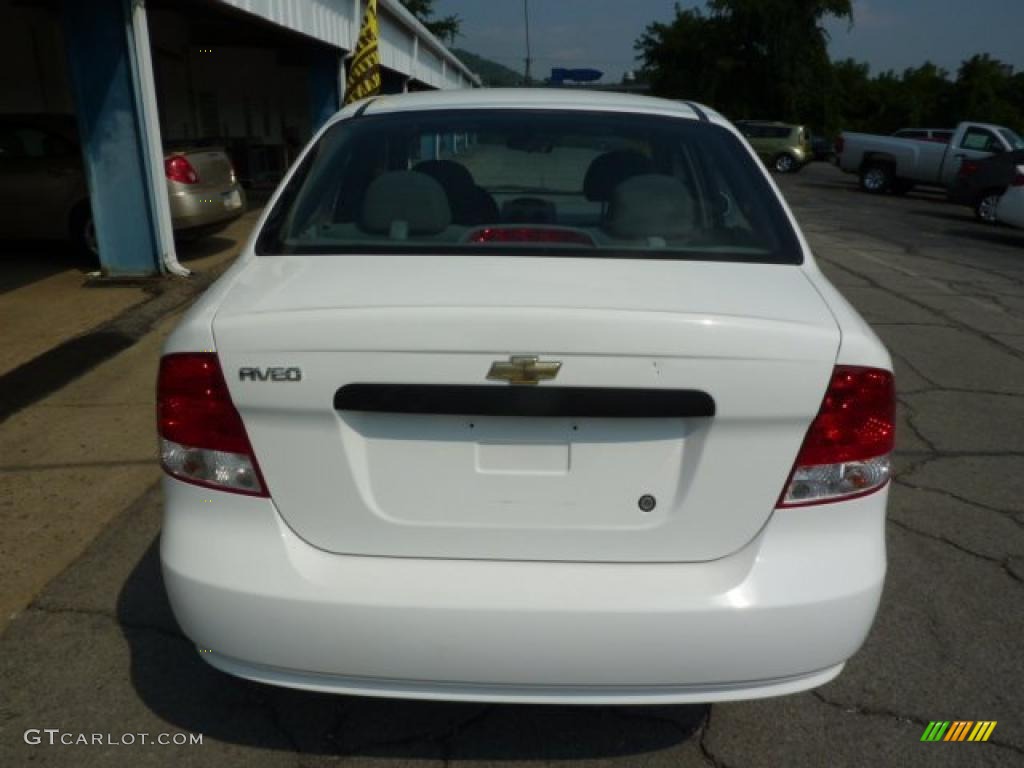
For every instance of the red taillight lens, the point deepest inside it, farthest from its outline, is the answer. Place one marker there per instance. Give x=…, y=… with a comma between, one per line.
x=202, y=438
x=847, y=450
x=1018, y=180
x=178, y=168
x=530, y=235
x=840, y=145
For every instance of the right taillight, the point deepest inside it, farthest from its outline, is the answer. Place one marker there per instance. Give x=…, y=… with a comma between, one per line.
x=202, y=438
x=848, y=449
x=1018, y=180
x=840, y=145
x=178, y=168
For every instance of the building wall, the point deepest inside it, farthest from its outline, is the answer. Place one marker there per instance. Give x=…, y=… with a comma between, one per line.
x=33, y=65
x=336, y=22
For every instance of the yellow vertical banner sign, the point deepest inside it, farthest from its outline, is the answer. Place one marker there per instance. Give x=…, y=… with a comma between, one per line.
x=364, y=72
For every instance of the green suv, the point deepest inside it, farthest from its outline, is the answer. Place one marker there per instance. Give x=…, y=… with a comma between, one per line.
x=783, y=148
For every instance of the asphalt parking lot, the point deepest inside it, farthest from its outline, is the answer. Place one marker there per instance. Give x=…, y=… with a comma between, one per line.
x=98, y=652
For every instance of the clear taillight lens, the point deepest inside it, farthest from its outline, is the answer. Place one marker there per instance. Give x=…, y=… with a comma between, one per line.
x=202, y=438
x=848, y=449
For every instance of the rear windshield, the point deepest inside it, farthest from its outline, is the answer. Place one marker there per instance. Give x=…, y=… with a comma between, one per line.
x=1015, y=141
x=533, y=183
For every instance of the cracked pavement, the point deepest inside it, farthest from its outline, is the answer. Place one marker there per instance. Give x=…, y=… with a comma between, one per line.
x=99, y=651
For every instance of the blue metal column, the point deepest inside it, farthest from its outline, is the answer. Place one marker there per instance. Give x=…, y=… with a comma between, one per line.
x=97, y=39
x=324, y=71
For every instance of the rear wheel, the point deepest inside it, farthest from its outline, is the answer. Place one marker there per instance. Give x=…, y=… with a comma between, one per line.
x=985, y=208
x=785, y=164
x=876, y=178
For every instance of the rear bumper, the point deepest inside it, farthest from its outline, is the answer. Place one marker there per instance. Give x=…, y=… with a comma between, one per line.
x=193, y=209
x=779, y=616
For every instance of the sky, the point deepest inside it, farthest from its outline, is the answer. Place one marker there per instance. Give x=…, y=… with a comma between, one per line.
x=888, y=34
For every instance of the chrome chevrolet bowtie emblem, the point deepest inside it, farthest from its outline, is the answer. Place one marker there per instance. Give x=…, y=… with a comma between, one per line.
x=523, y=370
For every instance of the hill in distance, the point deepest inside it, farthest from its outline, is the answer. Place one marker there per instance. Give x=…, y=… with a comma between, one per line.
x=493, y=74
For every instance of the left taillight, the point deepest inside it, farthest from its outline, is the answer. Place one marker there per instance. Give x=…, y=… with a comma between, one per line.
x=847, y=451
x=202, y=438
x=178, y=168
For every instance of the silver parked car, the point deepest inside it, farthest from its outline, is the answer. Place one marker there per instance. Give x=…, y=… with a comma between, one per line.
x=43, y=191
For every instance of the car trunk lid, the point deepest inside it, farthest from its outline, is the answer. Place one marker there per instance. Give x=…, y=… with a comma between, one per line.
x=469, y=480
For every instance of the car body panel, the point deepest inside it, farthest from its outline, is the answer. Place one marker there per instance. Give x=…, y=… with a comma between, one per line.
x=445, y=321
x=42, y=189
x=772, y=139
x=1011, y=206
x=41, y=178
x=922, y=161
x=780, y=615
x=787, y=596
x=937, y=135
x=216, y=199
x=992, y=174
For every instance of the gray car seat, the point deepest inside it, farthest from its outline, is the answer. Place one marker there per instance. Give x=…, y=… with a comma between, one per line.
x=471, y=205
x=651, y=206
x=403, y=203
x=609, y=170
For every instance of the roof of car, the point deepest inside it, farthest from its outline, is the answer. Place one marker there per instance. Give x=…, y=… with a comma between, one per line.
x=530, y=98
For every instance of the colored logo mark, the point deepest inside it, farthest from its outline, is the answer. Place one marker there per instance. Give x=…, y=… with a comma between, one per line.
x=958, y=730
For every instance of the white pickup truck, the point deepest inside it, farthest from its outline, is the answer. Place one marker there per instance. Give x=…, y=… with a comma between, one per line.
x=890, y=164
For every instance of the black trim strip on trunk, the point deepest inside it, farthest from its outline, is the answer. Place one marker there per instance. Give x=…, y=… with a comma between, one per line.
x=491, y=400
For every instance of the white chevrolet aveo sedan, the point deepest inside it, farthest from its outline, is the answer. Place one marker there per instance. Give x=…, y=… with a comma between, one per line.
x=526, y=396
x=1011, y=205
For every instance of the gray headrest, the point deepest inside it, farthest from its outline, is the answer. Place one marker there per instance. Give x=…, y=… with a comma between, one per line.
x=652, y=205
x=611, y=169
x=411, y=202
x=448, y=173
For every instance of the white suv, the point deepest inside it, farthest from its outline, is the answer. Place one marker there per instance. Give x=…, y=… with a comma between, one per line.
x=526, y=396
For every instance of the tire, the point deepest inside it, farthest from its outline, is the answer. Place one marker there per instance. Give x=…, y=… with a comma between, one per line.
x=876, y=178
x=785, y=163
x=985, y=208
x=83, y=233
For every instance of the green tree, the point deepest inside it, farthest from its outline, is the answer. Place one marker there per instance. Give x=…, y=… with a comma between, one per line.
x=929, y=96
x=445, y=28
x=750, y=58
x=985, y=91
x=689, y=59
x=783, y=47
